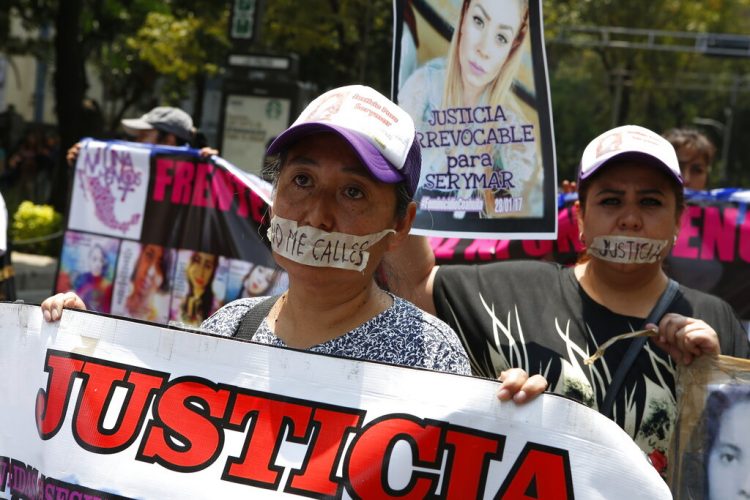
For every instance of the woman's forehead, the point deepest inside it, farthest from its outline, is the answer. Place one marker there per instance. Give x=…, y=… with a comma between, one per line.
x=631, y=173
x=326, y=149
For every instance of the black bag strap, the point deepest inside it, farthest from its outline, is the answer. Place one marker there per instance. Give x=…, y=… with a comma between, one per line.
x=635, y=347
x=254, y=317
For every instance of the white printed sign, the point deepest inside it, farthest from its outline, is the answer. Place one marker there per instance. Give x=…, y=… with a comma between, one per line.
x=99, y=407
x=110, y=189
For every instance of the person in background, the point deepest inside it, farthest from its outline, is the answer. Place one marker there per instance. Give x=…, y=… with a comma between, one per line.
x=549, y=319
x=163, y=125
x=695, y=153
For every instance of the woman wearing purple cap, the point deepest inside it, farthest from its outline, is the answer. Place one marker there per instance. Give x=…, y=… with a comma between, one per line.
x=550, y=320
x=344, y=177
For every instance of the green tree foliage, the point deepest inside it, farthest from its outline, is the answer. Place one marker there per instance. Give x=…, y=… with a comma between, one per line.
x=660, y=89
x=133, y=44
x=36, y=228
x=339, y=41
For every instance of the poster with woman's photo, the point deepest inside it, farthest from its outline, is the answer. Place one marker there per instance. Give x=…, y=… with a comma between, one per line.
x=710, y=452
x=87, y=266
x=199, y=286
x=250, y=280
x=472, y=74
x=143, y=281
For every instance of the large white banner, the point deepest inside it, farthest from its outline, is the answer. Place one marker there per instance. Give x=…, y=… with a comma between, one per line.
x=100, y=407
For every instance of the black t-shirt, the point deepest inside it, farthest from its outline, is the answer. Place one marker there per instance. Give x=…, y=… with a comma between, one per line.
x=535, y=315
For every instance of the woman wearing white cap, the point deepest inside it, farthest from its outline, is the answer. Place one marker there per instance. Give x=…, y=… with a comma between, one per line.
x=548, y=319
x=344, y=177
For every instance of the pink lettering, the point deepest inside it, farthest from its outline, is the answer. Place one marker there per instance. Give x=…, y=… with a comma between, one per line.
x=202, y=196
x=537, y=248
x=502, y=249
x=744, y=248
x=481, y=249
x=447, y=249
x=718, y=234
x=567, y=231
x=183, y=182
x=163, y=178
x=243, y=210
x=221, y=188
x=688, y=230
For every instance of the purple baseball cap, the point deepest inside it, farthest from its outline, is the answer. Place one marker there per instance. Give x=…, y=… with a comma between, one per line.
x=381, y=133
x=630, y=142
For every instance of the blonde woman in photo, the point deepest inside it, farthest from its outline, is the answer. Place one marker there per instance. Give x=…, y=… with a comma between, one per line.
x=472, y=90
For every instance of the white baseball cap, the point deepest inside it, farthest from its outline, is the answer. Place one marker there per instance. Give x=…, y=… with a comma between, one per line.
x=380, y=132
x=629, y=142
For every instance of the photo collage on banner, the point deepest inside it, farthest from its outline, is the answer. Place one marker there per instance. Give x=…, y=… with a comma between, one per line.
x=87, y=265
x=472, y=74
x=118, y=257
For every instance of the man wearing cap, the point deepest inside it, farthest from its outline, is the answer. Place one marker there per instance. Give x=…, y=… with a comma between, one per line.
x=163, y=125
x=548, y=319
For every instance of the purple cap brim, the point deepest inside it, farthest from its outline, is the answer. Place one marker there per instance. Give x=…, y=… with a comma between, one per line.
x=375, y=162
x=636, y=156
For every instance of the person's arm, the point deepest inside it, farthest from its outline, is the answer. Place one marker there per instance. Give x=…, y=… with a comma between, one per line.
x=52, y=307
x=409, y=271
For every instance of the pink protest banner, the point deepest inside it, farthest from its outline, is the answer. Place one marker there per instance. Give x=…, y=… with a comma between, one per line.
x=161, y=234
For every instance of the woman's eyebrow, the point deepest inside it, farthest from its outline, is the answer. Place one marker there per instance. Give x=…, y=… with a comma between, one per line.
x=505, y=27
x=610, y=191
x=302, y=159
x=358, y=170
x=728, y=446
x=651, y=191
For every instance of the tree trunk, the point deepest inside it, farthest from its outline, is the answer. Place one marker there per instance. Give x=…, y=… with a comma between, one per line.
x=70, y=88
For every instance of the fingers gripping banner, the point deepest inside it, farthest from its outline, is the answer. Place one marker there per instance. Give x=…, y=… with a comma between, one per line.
x=99, y=407
x=160, y=233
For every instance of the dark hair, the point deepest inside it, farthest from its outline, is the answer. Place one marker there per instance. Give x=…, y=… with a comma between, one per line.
x=207, y=297
x=270, y=284
x=717, y=404
x=692, y=139
x=161, y=137
x=274, y=163
x=105, y=258
x=165, y=265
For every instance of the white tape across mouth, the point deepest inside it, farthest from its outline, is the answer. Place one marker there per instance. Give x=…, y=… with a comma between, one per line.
x=627, y=249
x=318, y=248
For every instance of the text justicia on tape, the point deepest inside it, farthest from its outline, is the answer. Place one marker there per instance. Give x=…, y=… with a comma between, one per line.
x=315, y=247
x=627, y=249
